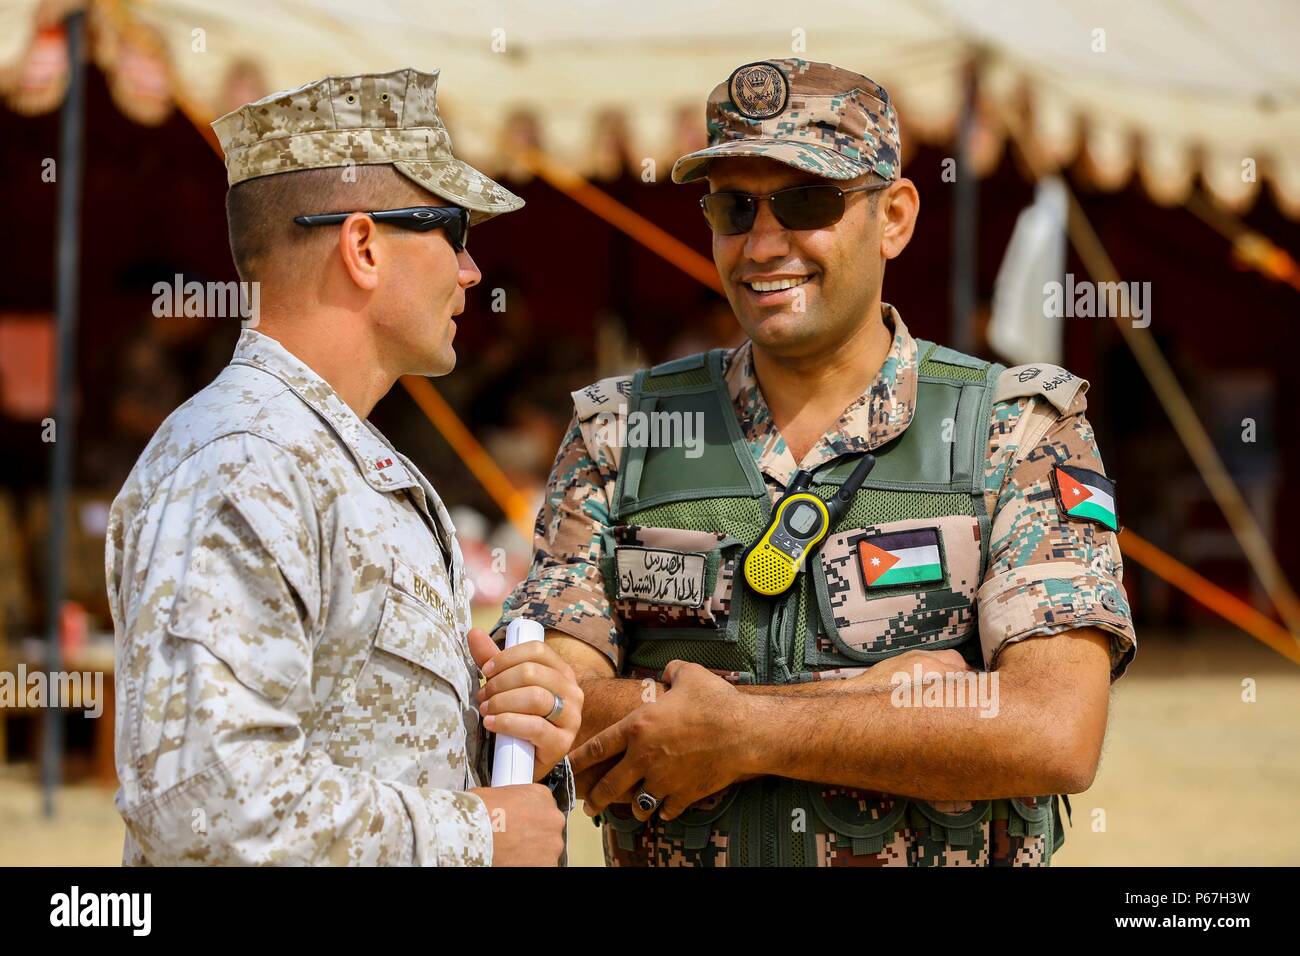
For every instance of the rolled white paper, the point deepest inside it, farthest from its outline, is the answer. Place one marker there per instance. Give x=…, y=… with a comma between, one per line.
x=513, y=759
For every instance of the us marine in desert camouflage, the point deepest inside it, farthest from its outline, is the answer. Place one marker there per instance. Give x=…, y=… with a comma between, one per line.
x=291, y=606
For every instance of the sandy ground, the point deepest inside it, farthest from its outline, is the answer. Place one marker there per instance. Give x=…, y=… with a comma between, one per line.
x=1191, y=775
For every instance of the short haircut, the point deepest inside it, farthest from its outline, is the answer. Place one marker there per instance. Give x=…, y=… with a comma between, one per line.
x=260, y=211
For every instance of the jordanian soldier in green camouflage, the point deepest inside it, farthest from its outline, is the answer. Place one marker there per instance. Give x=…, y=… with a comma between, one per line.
x=939, y=671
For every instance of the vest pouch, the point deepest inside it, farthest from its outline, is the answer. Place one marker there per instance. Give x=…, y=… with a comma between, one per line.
x=892, y=587
x=851, y=825
x=624, y=828
x=1029, y=816
x=695, y=825
x=644, y=844
x=1027, y=831
x=671, y=584
x=961, y=824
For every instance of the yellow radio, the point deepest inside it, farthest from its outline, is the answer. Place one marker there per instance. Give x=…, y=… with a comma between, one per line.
x=800, y=521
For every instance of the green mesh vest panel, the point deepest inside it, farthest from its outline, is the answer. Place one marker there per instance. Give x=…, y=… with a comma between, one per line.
x=933, y=470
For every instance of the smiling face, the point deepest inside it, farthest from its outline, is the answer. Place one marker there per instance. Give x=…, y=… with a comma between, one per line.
x=799, y=293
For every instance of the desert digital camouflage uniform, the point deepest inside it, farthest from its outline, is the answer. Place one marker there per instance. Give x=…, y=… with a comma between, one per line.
x=289, y=598
x=1047, y=573
x=290, y=605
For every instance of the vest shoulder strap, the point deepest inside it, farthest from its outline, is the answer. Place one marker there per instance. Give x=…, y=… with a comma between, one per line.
x=940, y=362
x=692, y=372
x=713, y=460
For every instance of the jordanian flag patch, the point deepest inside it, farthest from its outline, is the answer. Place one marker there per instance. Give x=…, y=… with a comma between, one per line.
x=1086, y=494
x=900, y=557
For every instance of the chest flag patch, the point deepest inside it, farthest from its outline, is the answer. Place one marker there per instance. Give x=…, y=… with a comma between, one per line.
x=1086, y=494
x=900, y=557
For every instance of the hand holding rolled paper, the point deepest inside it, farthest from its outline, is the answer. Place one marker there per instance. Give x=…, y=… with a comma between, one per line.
x=531, y=699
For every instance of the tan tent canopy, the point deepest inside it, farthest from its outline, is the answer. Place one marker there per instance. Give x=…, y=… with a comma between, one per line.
x=1117, y=88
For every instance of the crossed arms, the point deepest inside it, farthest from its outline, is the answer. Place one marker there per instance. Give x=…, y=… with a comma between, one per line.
x=696, y=734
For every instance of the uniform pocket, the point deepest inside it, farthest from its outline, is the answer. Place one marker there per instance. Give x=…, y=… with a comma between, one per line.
x=409, y=632
x=671, y=583
x=412, y=700
x=892, y=587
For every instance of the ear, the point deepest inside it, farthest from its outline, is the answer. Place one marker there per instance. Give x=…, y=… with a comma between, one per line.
x=900, y=204
x=358, y=250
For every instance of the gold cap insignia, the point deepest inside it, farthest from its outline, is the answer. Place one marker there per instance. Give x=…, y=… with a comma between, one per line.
x=759, y=90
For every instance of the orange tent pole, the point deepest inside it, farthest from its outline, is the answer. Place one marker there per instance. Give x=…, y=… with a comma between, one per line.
x=622, y=218
x=1206, y=592
x=475, y=456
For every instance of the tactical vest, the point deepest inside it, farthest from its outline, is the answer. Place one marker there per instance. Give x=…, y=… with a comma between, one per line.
x=670, y=567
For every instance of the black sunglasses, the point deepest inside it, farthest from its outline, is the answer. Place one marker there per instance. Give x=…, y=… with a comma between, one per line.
x=453, y=219
x=799, y=207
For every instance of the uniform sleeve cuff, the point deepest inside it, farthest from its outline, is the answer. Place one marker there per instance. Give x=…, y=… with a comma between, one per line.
x=452, y=827
x=1049, y=598
x=592, y=630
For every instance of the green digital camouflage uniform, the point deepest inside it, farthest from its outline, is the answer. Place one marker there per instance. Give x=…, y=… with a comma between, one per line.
x=1045, y=571
x=288, y=595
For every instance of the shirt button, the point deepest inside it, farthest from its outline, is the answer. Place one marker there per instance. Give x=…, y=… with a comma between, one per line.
x=1111, y=603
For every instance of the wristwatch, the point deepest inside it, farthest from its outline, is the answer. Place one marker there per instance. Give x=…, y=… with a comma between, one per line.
x=560, y=782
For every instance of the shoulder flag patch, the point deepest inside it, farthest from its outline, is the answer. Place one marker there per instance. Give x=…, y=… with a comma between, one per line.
x=1085, y=494
x=900, y=557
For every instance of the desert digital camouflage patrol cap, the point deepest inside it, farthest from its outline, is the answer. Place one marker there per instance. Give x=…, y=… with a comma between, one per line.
x=367, y=120
x=812, y=116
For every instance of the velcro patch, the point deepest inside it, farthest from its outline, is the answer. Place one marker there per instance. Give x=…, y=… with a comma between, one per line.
x=660, y=576
x=900, y=558
x=603, y=396
x=1085, y=494
x=1052, y=382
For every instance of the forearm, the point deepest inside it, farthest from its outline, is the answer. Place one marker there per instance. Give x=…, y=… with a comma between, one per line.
x=606, y=699
x=863, y=739
x=852, y=681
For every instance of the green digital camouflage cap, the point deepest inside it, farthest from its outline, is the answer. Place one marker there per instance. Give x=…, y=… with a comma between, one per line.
x=363, y=120
x=812, y=116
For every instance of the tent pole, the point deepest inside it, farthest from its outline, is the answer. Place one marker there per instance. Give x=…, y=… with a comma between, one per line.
x=67, y=255
x=965, y=213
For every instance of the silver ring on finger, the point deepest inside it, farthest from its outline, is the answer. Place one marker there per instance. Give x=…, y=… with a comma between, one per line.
x=646, y=803
x=556, y=709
